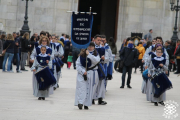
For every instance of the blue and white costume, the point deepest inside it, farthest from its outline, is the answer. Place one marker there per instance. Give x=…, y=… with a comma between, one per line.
x=85, y=89
x=39, y=64
x=36, y=51
x=153, y=68
x=101, y=86
x=57, y=63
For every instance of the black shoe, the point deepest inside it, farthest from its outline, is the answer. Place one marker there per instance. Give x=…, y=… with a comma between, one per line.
x=24, y=70
x=75, y=68
x=39, y=98
x=129, y=86
x=155, y=104
x=102, y=103
x=122, y=87
x=54, y=88
x=93, y=102
x=80, y=106
x=86, y=107
x=43, y=98
x=162, y=103
x=176, y=73
x=57, y=85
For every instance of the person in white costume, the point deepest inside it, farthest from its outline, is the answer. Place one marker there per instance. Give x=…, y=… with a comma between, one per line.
x=58, y=52
x=100, y=90
x=40, y=62
x=44, y=41
x=85, y=88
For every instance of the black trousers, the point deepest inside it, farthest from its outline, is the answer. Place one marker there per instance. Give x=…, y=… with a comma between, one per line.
x=178, y=65
x=126, y=69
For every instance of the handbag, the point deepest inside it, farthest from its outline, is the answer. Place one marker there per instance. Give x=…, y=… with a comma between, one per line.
x=5, y=50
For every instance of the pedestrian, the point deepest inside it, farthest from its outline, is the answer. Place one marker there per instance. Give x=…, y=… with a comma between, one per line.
x=41, y=61
x=66, y=49
x=85, y=89
x=8, y=49
x=101, y=85
x=141, y=51
x=25, y=46
x=149, y=43
x=177, y=56
x=156, y=72
x=149, y=35
x=58, y=53
x=129, y=55
x=169, y=51
x=2, y=41
x=69, y=60
x=16, y=51
x=62, y=38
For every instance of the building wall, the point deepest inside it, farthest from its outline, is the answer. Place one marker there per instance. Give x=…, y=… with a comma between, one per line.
x=51, y=15
x=142, y=15
x=48, y=15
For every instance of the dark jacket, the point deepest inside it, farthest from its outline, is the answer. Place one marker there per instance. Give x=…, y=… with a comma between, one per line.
x=16, y=47
x=9, y=43
x=169, y=51
x=25, y=45
x=178, y=51
x=129, y=56
x=32, y=42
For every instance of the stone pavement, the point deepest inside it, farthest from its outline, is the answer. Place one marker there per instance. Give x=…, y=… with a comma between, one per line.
x=18, y=103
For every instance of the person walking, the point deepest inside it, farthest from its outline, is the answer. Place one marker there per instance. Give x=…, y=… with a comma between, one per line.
x=16, y=51
x=129, y=55
x=8, y=49
x=141, y=51
x=24, y=50
x=69, y=60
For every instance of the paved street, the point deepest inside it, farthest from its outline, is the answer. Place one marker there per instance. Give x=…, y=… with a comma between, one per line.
x=18, y=103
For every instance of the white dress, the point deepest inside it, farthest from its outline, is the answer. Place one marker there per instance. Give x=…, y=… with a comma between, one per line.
x=85, y=89
x=36, y=91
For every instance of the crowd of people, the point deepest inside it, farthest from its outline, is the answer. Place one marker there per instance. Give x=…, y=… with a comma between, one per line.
x=46, y=54
x=156, y=59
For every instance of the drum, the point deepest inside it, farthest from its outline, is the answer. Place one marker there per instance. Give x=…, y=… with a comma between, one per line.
x=45, y=78
x=161, y=83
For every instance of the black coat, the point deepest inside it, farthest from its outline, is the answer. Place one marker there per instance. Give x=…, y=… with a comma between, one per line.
x=25, y=45
x=129, y=56
x=9, y=46
x=178, y=51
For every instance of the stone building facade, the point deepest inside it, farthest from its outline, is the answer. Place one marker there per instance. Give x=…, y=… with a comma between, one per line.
x=52, y=16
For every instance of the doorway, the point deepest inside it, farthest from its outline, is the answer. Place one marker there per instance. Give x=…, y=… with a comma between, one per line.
x=105, y=22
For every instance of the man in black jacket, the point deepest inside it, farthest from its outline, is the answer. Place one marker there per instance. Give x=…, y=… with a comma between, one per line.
x=16, y=51
x=129, y=55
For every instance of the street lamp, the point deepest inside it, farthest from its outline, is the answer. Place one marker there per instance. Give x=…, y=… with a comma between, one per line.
x=176, y=8
x=25, y=27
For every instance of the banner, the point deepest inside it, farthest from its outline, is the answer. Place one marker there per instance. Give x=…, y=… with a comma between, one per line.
x=81, y=30
x=136, y=37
